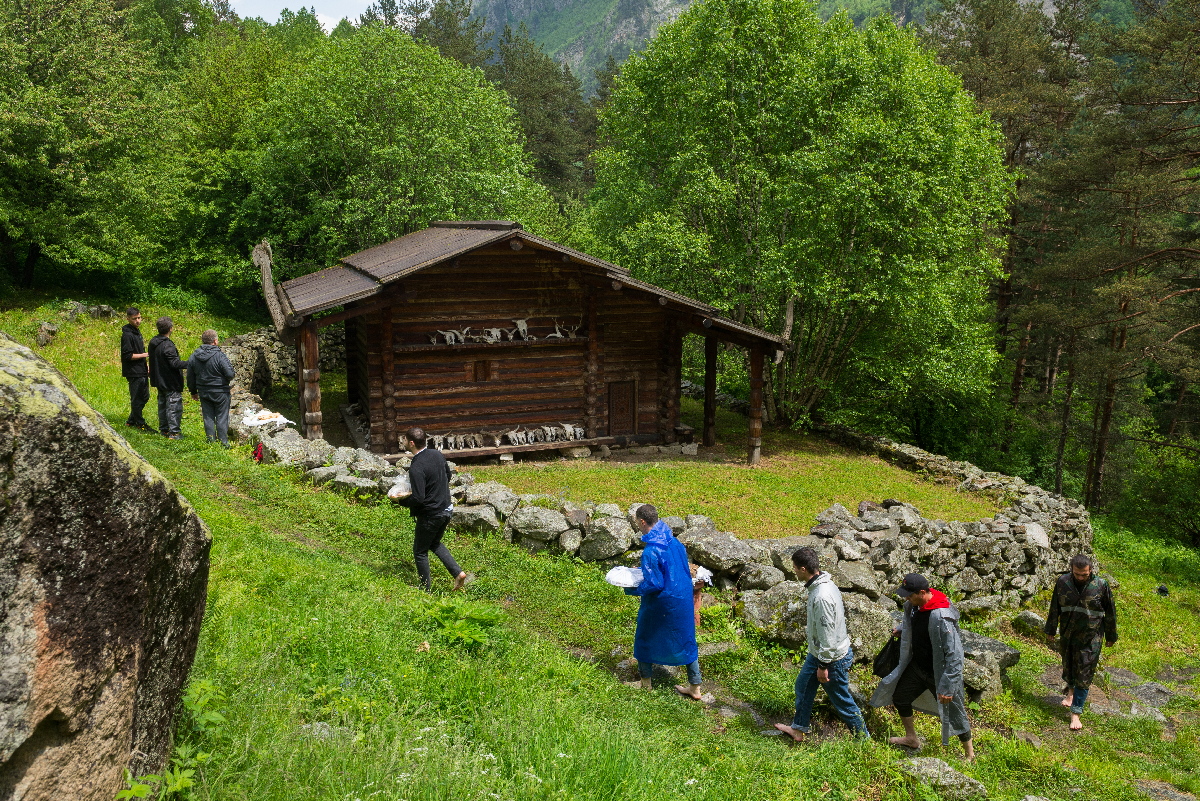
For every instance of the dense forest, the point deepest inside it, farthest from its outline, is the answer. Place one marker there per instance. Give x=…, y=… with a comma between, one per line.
x=974, y=222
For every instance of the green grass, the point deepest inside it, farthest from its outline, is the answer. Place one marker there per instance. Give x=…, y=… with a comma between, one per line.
x=799, y=476
x=314, y=617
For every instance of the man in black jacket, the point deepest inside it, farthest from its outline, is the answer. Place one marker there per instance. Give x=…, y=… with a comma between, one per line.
x=166, y=374
x=208, y=377
x=430, y=504
x=133, y=368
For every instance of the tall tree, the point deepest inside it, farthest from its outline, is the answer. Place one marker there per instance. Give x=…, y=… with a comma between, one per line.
x=74, y=122
x=451, y=28
x=831, y=185
x=549, y=103
x=372, y=139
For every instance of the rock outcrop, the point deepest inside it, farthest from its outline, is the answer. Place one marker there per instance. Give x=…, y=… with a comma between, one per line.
x=103, y=575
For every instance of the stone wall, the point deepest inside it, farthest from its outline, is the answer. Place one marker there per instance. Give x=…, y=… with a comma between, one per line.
x=985, y=564
x=260, y=360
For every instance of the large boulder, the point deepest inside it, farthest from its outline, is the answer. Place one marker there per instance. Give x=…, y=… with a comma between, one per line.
x=856, y=577
x=780, y=614
x=103, y=576
x=719, y=551
x=868, y=625
x=943, y=779
x=534, y=522
x=474, y=519
x=604, y=538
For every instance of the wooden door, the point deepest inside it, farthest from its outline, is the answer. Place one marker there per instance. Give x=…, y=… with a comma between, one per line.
x=622, y=408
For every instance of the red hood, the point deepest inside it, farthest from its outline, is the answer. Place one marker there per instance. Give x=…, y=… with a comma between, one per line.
x=938, y=601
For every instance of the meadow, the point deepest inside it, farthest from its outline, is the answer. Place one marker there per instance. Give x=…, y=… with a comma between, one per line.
x=323, y=672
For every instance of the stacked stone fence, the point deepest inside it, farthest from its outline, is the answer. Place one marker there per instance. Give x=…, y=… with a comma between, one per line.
x=260, y=360
x=984, y=564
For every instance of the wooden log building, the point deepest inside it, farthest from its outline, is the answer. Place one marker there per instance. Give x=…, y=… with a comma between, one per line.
x=485, y=327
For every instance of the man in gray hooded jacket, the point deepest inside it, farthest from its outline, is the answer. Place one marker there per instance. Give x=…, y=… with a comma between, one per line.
x=931, y=663
x=208, y=378
x=829, y=653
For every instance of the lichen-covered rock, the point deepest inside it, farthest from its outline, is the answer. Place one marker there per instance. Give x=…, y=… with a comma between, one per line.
x=474, y=519
x=779, y=614
x=103, y=576
x=604, y=538
x=719, y=551
x=570, y=540
x=323, y=475
x=947, y=781
x=761, y=577
x=868, y=625
x=534, y=522
x=1030, y=623
x=345, y=482
x=856, y=577
x=988, y=651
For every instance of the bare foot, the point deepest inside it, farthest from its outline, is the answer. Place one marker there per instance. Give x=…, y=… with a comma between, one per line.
x=1069, y=699
x=687, y=692
x=969, y=750
x=1076, y=723
x=906, y=742
x=798, y=736
x=459, y=581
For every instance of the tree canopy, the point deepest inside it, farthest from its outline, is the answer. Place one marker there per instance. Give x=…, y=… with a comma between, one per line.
x=833, y=185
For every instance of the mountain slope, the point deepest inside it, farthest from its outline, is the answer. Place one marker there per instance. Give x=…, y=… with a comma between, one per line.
x=583, y=33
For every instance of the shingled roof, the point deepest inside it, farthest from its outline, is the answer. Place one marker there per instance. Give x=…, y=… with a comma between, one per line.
x=368, y=272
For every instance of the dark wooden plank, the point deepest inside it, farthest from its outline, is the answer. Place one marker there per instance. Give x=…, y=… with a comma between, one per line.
x=499, y=449
x=756, y=401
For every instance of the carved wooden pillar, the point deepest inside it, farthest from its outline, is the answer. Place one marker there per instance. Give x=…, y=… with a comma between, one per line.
x=756, y=404
x=592, y=386
x=710, y=391
x=387, y=353
x=308, y=364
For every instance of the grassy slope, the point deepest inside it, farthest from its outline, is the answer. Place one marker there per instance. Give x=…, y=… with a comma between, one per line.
x=313, y=616
x=800, y=475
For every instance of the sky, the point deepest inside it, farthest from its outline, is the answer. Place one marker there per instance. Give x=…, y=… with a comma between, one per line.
x=329, y=12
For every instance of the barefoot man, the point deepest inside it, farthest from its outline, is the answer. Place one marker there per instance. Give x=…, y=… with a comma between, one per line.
x=1083, y=615
x=829, y=653
x=931, y=660
x=666, y=627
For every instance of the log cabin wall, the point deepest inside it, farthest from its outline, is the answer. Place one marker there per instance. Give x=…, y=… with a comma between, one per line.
x=497, y=387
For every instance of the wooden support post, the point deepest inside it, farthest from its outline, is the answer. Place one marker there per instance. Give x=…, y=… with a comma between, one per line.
x=387, y=353
x=592, y=386
x=710, y=391
x=352, y=357
x=756, y=405
x=666, y=427
x=309, y=378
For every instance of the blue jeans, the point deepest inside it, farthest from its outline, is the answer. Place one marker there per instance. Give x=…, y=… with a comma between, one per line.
x=646, y=670
x=838, y=690
x=1078, y=700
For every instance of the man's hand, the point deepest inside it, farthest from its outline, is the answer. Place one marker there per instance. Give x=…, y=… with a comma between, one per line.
x=823, y=675
x=140, y=356
x=1111, y=644
x=1050, y=640
x=195, y=397
x=945, y=699
x=896, y=632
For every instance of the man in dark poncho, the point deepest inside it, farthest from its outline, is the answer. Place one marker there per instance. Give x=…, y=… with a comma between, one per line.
x=666, y=626
x=1083, y=615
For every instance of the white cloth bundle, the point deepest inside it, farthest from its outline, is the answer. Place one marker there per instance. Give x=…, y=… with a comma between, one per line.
x=703, y=574
x=621, y=576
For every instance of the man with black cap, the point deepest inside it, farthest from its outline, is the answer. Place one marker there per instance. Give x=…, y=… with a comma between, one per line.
x=931, y=660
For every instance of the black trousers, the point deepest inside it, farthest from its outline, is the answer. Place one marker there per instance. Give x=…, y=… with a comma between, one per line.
x=428, y=537
x=914, y=681
x=139, y=396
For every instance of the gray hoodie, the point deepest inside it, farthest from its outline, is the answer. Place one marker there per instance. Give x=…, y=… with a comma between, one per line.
x=209, y=372
x=827, y=637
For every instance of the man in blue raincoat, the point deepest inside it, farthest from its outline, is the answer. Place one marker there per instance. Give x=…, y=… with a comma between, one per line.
x=666, y=627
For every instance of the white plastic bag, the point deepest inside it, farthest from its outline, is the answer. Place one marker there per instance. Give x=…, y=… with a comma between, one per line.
x=621, y=576
x=401, y=489
x=703, y=575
